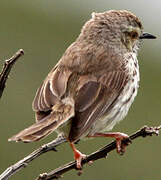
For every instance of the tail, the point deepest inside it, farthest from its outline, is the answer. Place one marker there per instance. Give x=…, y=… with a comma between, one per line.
x=60, y=114
x=35, y=132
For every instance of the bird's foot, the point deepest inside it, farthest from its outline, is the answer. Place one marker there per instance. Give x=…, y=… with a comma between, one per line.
x=78, y=156
x=120, y=147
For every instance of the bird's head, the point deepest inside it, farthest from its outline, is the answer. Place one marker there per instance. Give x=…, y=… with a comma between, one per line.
x=117, y=29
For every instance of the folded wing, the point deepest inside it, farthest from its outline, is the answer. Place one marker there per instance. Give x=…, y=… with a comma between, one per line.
x=51, y=112
x=94, y=99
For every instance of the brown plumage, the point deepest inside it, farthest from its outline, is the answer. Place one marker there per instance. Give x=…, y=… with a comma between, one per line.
x=93, y=85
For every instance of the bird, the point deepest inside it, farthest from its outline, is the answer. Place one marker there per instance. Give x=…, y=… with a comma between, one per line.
x=93, y=85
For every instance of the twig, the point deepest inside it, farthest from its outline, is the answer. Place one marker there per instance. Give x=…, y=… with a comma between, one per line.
x=102, y=153
x=7, y=68
x=146, y=131
x=25, y=161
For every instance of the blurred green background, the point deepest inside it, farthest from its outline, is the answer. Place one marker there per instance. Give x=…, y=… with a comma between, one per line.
x=44, y=29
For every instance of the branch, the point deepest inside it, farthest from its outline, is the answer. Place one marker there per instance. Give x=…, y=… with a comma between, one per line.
x=146, y=131
x=7, y=68
x=102, y=153
x=25, y=161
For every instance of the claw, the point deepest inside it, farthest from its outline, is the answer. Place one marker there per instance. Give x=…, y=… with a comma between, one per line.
x=78, y=156
x=120, y=147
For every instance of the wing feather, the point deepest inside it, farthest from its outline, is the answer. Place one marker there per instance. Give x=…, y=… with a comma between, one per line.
x=50, y=92
x=104, y=93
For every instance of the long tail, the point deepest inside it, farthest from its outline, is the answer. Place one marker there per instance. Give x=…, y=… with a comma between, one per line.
x=44, y=127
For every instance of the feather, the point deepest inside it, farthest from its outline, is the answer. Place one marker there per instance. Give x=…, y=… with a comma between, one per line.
x=59, y=115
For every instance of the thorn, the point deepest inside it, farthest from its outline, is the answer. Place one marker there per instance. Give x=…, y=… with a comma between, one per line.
x=106, y=156
x=25, y=164
x=22, y=51
x=42, y=176
x=44, y=147
x=57, y=176
x=54, y=149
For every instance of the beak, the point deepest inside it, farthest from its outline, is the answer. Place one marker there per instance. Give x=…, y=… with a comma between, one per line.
x=146, y=35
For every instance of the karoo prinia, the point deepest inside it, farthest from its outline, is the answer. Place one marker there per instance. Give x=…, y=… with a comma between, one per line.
x=93, y=85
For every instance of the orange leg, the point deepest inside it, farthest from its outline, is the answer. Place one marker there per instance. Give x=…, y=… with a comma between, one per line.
x=78, y=156
x=118, y=136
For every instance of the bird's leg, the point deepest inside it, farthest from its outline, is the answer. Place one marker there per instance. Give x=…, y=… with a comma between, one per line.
x=118, y=136
x=78, y=156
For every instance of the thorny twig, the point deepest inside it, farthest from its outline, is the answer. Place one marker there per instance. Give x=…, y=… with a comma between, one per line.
x=25, y=161
x=145, y=131
x=102, y=153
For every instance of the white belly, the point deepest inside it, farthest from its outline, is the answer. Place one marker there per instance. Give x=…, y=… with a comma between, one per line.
x=120, y=110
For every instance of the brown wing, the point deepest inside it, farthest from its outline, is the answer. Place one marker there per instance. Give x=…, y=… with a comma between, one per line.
x=50, y=92
x=94, y=99
x=51, y=112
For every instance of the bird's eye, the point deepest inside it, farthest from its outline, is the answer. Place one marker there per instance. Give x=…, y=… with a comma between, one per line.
x=134, y=35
